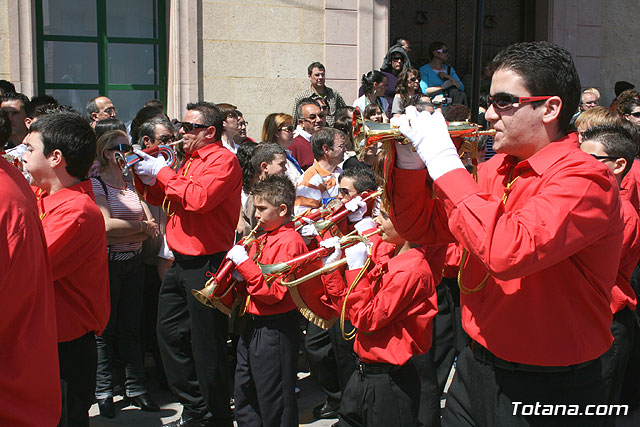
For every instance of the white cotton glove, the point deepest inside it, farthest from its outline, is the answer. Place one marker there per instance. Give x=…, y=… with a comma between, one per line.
x=356, y=256
x=438, y=99
x=406, y=156
x=357, y=208
x=147, y=168
x=334, y=243
x=236, y=275
x=447, y=84
x=430, y=137
x=238, y=254
x=365, y=224
x=309, y=230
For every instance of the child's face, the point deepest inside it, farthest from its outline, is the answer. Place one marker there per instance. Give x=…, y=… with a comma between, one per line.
x=346, y=190
x=389, y=233
x=34, y=160
x=270, y=216
x=277, y=166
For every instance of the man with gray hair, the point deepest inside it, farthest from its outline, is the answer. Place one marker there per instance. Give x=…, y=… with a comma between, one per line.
x=100, y=108
x=155, y=131
x=311, y=119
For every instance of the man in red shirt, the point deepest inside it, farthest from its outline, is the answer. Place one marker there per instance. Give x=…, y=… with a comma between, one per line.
x=202, y=201
x=614, y=147
x=29, y=372
x=60, y=149
x=542, y=231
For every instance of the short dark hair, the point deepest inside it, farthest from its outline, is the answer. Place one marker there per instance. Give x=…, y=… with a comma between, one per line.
x=265, y=152
x=325, y=137
x=373, y=76
x=363, y=178
x=72, y=135
x=148, y=128
x=45, y=109
x=211, y=115
x=547, y=70
x=38, y=101
x=244, y=154
x=144, y=114
x=302, y=103
x=615, y=140
x=105, y=125
x=276, y=190
x=16, y=96
x=227, y=110
x=5, y=127
x=630, y=105
x=435, y=46
x=6, y=86
x=633, y=131
x=154, y=103
x=313, y=65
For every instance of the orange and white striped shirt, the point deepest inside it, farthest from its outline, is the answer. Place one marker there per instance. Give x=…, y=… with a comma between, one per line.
x=316, y=187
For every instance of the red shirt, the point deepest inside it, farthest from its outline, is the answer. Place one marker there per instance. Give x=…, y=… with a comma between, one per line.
x=550, y=254
x=77, y=243
x=623, y=294
x=29, y=371
x=631, y=183
x=392, y=306
x=205, y=196
x=301, y=150
x=279, y=245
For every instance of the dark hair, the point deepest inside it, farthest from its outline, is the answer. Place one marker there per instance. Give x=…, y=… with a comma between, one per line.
x=399, y=40
x=402, y=86
x=344, y=112
x=325, y=137
x=457, y=113
x=38, y=101
x=276, y=190
x=373, y=76
x=616, y=141
x=313, y=65
x=239, y=113
x=5, y=127
x=6, y=86
x=623, y=99
x=52, y=108
x=633, y=131
x=91, y=106
x=244, y=154
x=72, y=135
x=630, y=105
x=154, y=103
x=103, y=126
x=370, y=110
x=211, y=115
x=363, y=178
x=433, y=47
x=265, y=152
x=345, y=125
x=144, y=114
x=148, y=128
x=547, y=70
x=15, y=96
x=302, y=103
x=227, y=110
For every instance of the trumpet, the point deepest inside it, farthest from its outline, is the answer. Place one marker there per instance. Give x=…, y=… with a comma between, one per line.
x=340, y=214
x=217, y=292
x=126, y=161
x=367, y=133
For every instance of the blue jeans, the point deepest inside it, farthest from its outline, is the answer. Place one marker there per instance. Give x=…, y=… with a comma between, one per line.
x=126, y=281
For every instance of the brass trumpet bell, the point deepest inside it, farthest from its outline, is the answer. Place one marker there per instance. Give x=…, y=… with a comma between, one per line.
x=205, y=295
x=367, y=133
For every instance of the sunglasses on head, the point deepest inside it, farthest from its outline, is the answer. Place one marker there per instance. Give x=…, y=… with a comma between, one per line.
x=504, y=101
x=188, y=126
x=120, y=147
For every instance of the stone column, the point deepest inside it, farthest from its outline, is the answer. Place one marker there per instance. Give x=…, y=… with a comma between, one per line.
x=20, y=46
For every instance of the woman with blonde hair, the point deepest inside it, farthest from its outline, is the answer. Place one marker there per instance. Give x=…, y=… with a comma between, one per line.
x=278, y=128
x=128, y=223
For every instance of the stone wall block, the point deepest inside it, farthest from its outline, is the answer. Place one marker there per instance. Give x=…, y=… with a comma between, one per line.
x=589, y=41
x=217, y=90
x=233, y=59
x=261, y=23
x=341, y=27
x=215, y=21
x=291, y=60
x=347, y=88
x=312, y=25
x=341, y=62
x=589, y=70
x=342, y=4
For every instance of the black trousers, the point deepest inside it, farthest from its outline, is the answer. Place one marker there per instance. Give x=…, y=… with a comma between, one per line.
x=381, y=395
x=429, y=403
x=78, y=360
x=192, y=340
x=444, y=335
x=322, y=361
x=343, y=352
x=265, y=379
x=614, y=361
x=484, y=395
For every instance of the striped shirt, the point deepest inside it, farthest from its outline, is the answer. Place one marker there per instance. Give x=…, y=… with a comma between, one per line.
x=316, y=187
x=125, y=206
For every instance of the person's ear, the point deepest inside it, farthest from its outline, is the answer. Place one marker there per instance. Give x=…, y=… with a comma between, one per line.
x=27, y=122
x=146, y=141
x=619, y=166
x=263, y=167
x=210, y=133
x=56, y=159
x=551, y=109
x=283, y=210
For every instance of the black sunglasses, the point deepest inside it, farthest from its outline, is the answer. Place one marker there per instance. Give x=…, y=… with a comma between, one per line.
x=504, y=101
x=166, y=138
x=344, y=191
x=121, y=147
x=314, y=116
x=604, y=157
x=188, y=126
x=289, y=128
x=635, y=114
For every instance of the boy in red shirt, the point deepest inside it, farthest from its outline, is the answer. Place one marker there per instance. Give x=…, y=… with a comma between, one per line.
x=60, y=149
x=392, y=306
x=265, y=378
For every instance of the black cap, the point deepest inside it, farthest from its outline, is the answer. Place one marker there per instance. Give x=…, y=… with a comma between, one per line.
x=621, y=86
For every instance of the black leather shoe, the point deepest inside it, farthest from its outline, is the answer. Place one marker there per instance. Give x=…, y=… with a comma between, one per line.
x=107, y=408
x=186, y=421
x=144, y=402
x=328, y=409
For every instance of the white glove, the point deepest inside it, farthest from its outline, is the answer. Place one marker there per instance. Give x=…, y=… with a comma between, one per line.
x=406, y=156
x=236, y=275
x=438, y=99
x=365, y=224
x=238, y=254
x=357, y=208
x=430, y=137
x=147, y=168
x=334, y=243
x=308, y=230
x=356, y=255
x=447, y=84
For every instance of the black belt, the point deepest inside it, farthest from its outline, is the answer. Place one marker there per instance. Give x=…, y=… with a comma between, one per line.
x=376, y=368
x=270, y=317
x=485, y=356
